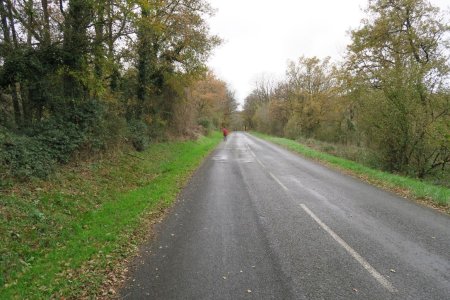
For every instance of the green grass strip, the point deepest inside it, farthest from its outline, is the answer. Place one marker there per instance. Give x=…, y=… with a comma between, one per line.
x=101, y=234
x=416, y=188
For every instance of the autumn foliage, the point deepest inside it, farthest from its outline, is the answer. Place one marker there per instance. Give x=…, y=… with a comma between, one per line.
x=82, y=77
x=389, y=95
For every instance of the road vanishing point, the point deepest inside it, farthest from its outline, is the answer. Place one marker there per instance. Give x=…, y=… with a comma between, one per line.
x=259, y=222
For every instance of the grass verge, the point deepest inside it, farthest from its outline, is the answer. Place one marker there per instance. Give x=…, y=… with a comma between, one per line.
x=62, y=238
x=436, y=196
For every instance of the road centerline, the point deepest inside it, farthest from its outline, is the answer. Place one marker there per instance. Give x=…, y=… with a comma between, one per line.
x=278, y=181
x=371, y=270
x=386, y=284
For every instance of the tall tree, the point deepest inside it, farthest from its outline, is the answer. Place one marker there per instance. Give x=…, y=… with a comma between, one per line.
x=311, y=84
x=400, y=58
x=78, y=18
x=173, y=39
x=7, y=48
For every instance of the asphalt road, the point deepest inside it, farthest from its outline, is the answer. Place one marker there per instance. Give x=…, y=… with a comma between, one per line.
x=258, y=222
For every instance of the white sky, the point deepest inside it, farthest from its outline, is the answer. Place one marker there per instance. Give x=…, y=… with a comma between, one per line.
x=261, y=36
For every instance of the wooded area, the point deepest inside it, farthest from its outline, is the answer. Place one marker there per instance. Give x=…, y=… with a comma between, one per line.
x=390, y=95
x=79, y=77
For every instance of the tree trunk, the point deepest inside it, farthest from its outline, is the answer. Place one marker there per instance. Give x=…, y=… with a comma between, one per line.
x=99, y=51
x=15, y=88
x=4, y=14
x=11, y=23
x=30, y=12
x=5, y=27
x=143, y=62
x=75, y=46
x=114, y=81
x=47, y=39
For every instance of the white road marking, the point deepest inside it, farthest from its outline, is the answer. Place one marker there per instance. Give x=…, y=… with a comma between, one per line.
x=278, y=181
x=386, y=284
x=260, y=162
x=309, y=190
x=254, y=155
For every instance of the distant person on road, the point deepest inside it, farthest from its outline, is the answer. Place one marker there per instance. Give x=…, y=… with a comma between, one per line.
x=225, y=133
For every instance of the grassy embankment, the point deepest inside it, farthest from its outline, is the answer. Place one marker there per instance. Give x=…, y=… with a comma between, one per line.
x=434, y=195
x=66, y=237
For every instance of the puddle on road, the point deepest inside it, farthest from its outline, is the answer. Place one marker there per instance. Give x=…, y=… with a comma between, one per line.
x=239, y=154
x=220, y=158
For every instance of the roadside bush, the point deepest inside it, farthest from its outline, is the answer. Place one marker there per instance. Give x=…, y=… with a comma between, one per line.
x=206, y=124
x=261, y=119
x=59, y=139
x=138, y=134
x=24, y=157
x=109, y=132
x=361, y=155
x=292, y=129
x=53, y=141
x=69, y=129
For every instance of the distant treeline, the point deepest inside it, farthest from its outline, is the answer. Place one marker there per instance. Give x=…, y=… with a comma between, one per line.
x=82, y=76
x=390, y=95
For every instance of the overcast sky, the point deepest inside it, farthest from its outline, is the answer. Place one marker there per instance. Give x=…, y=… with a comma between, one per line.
x=261, y=36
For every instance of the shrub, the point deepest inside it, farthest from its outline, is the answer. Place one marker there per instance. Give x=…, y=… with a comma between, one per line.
x=261, y=119
x=139, y=134
x=35, y=152
x=206, y=124
x=60, y=138
x=110, y=130
x=24, y=157
x=292, y=129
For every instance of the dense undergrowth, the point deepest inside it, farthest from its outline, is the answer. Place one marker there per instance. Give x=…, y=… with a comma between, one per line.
x=368, y=158
x=61, y=236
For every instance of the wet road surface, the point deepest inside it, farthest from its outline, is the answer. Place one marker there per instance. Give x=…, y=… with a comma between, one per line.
x=259, y=222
